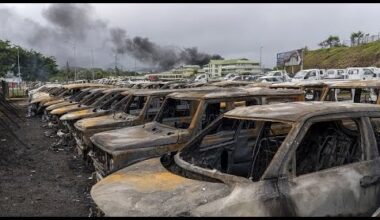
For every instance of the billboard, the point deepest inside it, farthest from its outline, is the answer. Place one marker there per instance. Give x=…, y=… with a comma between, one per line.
x=289, y=58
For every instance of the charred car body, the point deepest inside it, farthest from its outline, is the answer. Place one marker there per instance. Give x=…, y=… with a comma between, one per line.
x=39, y=99
x=287, y=159
x=357, y=91
x=313, y=89
x=98, y=105
x=181, y=117
x=139, y=107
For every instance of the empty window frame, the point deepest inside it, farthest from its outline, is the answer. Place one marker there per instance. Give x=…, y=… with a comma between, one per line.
x=329, y=144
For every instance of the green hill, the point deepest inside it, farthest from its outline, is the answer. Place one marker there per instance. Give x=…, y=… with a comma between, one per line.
x=342, y=57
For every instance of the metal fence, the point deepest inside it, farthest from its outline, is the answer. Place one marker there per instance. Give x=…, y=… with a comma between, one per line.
x=14, y=90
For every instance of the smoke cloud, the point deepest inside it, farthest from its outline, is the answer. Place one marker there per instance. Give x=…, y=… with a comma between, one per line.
x=73, y=32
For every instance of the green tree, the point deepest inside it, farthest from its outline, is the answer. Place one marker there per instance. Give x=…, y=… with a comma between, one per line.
x=33, y=65
x=331, y=41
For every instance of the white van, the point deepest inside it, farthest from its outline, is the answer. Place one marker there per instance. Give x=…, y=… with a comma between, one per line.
x=360, y=73
x=309, y=74
x=335, y=74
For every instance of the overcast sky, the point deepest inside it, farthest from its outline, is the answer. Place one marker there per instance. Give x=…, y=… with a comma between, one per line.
x=230, y=30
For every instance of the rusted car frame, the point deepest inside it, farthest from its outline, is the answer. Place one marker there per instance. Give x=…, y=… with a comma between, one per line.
x=71, y=116
x=141, y=107
x=325, y=163
x=358, y=91
x=313, y=89
x=181, y=117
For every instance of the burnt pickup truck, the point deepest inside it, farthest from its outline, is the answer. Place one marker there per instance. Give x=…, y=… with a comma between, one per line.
x=140, y=107
x=357, y=91
x=285, y=159
x=181, y=117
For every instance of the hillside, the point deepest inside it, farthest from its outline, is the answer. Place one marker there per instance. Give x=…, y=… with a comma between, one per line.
x=342, y=57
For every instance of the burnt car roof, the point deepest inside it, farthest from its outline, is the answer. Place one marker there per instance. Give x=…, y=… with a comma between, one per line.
x=83, y=85
x=263, y=91
x=228, y=83
x=297, y=84
x=356, y=84
x=294, y=111
x=115, y=90
x=234, y=92
x=147, y=92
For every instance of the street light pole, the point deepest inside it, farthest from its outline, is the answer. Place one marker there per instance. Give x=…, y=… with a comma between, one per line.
x=92, y=64
x=261, y=69
x=18, y=62
x=75, y=66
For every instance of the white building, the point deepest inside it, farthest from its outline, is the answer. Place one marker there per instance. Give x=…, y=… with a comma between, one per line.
x=218, y=68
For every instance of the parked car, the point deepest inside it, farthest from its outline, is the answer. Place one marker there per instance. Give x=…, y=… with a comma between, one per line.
x=335, y=74
x=313, y=89
x=280, y=73
x=181, y=116
x=272, y=79
x=136, y=108
x=358, y=91
x=286, y=159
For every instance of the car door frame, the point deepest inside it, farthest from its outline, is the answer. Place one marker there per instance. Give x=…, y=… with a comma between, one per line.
x=370, y=151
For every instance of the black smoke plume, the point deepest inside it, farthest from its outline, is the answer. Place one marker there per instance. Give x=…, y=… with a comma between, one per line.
x=74, y=30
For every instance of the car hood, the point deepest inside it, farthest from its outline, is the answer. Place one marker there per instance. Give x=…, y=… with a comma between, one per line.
x=75, y=115
x=141, y=136
x=54, y=102
x=59, y=105
x=148, y=189
x=42, y=98
x=108, y=121
x=69, y=108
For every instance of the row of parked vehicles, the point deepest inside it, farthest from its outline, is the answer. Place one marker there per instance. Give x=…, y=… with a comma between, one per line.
x=278, y=76
x=225, y=148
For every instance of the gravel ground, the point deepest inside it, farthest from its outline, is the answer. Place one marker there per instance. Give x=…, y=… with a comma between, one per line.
x=38, y=180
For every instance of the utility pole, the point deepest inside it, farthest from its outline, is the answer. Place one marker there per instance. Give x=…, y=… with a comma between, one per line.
x=115, y=63
x=75, y=63
x=92, y=64
x=302, y=58
x=67, y=71
x=261, y=69
x=18, y=63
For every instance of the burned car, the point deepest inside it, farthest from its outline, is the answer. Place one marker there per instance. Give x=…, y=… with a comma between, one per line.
x=139, y=107
x=37, y=103
x=358, y=91
x=181, y=117
x=99, y=106
x=313, y=89
x=73, y=99
x=285, y=159
x=85, y=103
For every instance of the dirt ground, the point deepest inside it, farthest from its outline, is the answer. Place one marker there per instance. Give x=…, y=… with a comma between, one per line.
x=37, y=180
